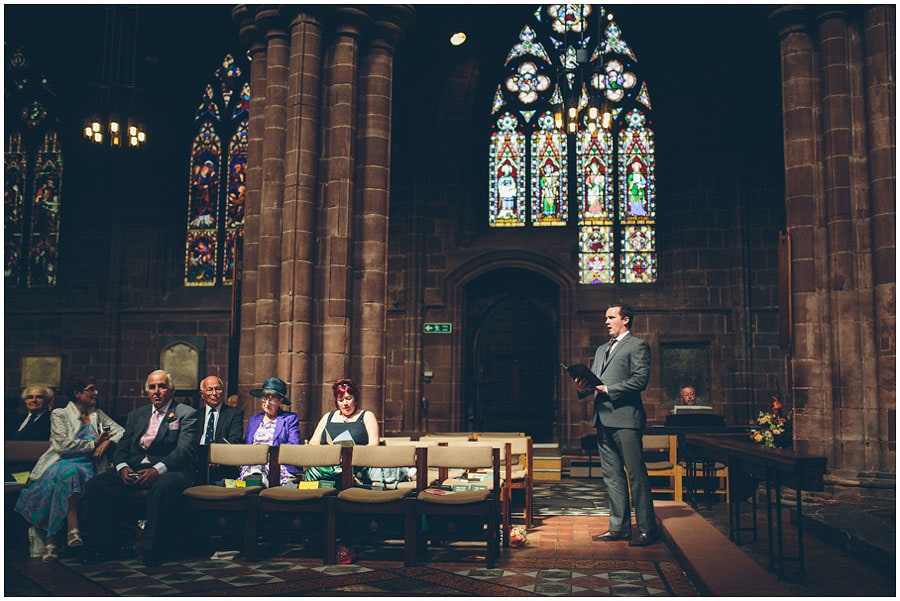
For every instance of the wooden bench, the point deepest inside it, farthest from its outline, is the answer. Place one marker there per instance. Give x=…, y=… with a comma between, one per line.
x=716, y=565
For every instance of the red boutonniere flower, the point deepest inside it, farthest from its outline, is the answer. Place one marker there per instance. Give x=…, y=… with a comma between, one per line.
x=171, y=417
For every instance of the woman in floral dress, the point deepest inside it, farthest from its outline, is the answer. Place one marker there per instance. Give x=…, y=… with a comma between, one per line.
x=79, y=437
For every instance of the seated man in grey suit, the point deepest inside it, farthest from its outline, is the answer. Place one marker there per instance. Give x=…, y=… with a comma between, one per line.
x=157, y=453
x=624, y=368
x=219, y=423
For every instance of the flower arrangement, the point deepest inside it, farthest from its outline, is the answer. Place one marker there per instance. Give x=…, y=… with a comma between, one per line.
x=772, y=428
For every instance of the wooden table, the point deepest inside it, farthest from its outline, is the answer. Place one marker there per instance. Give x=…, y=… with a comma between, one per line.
x=778, y=467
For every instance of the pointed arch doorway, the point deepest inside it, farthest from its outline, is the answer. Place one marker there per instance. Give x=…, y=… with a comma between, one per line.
x=512, y=353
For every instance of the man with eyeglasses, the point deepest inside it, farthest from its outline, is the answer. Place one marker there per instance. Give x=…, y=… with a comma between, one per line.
x=220, y=424
x=36, y=425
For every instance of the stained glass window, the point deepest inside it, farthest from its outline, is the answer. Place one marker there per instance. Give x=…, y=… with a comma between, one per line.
x=33, y=168
x=215, y=220
x=573, y=98
x=507, y=173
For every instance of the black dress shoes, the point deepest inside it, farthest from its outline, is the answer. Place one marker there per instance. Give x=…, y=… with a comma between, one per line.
x=152, y=559
x=611, y=535
x=643, y=540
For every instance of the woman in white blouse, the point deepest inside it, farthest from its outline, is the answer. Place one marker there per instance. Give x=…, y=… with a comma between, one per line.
x=79, y=437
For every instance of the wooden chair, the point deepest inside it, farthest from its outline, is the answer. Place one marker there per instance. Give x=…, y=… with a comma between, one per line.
x=433, y=474
x=699, y=477
x=444, y=436
x=361, y=512
x=661, y=458
x=299, y=512
x=390, y=439
x=462, y=515
x=218, y=509
x=517, y=471
x=18, y=456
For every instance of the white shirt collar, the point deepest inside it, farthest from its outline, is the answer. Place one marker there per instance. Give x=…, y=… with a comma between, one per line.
x=622, y=336
x=165, y=410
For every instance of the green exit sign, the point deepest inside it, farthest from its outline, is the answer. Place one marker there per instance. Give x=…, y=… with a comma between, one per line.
x=438, y=328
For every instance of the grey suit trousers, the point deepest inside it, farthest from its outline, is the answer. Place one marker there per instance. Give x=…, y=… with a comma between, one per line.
x=621, y=449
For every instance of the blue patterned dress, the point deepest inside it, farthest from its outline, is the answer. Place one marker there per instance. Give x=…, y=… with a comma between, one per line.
x=45, y=503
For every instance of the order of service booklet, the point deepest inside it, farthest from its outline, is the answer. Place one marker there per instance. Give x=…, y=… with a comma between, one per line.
x=580, y=370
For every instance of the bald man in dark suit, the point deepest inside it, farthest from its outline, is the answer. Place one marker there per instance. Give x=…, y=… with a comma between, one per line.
x=219, y=423
x=623, y=366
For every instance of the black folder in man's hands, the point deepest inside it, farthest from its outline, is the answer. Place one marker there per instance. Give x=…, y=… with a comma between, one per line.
x=580, y=370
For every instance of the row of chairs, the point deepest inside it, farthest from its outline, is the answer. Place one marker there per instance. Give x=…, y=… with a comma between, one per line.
x=416, y=514
x=516, y=465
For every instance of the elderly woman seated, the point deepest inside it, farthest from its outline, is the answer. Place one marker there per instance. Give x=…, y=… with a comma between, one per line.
x=272, y=426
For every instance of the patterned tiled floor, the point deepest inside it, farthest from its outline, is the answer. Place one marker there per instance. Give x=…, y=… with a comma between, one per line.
x=559, y=559
x=570, y=497
x=204, y=577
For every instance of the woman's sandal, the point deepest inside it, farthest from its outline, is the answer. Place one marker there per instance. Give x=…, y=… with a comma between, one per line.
x=49, y=553
x=74, y=538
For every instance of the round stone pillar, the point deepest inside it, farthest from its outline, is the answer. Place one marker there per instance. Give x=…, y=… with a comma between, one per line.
x=370, y=248
x=299, y=216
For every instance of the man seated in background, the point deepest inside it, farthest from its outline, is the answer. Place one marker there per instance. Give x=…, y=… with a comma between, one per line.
x=219, y=423
x=688, y=396
x=36, y=424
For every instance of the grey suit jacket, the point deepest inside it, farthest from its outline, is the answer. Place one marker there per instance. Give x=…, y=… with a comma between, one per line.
x=626, y=373
x=176, y=441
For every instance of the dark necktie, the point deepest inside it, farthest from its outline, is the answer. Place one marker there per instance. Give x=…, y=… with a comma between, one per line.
x=609, y=349
x=210, y=427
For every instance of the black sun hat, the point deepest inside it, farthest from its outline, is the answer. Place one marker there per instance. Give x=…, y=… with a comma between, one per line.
x=272, y=385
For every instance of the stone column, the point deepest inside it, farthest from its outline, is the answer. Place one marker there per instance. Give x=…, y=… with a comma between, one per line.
x=879, y=39
x=844, y=285
x=839, y=183
x=333, y=293
x=301, y=184
x=810, y=346
x=266, y=343
x=370, y=248
x=251, y=36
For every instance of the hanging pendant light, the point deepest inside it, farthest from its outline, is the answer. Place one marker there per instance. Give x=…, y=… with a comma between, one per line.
x=114, y=119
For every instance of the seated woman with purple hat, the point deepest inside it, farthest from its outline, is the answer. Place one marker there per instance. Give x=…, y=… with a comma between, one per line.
x=272, y=426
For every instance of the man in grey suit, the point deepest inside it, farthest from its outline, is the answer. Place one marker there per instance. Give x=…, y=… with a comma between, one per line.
x=624, y=368
x=156, y=454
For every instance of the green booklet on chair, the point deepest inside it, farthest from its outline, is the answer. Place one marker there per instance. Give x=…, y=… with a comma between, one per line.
x=580, y=370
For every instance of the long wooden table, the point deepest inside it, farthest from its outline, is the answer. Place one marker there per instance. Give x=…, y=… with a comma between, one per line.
x=778, y=467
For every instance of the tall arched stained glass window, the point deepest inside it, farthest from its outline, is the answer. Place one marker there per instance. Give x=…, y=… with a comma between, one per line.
x=573, y=98
x=33, y=167
x=218, y=167
x=507, y=179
